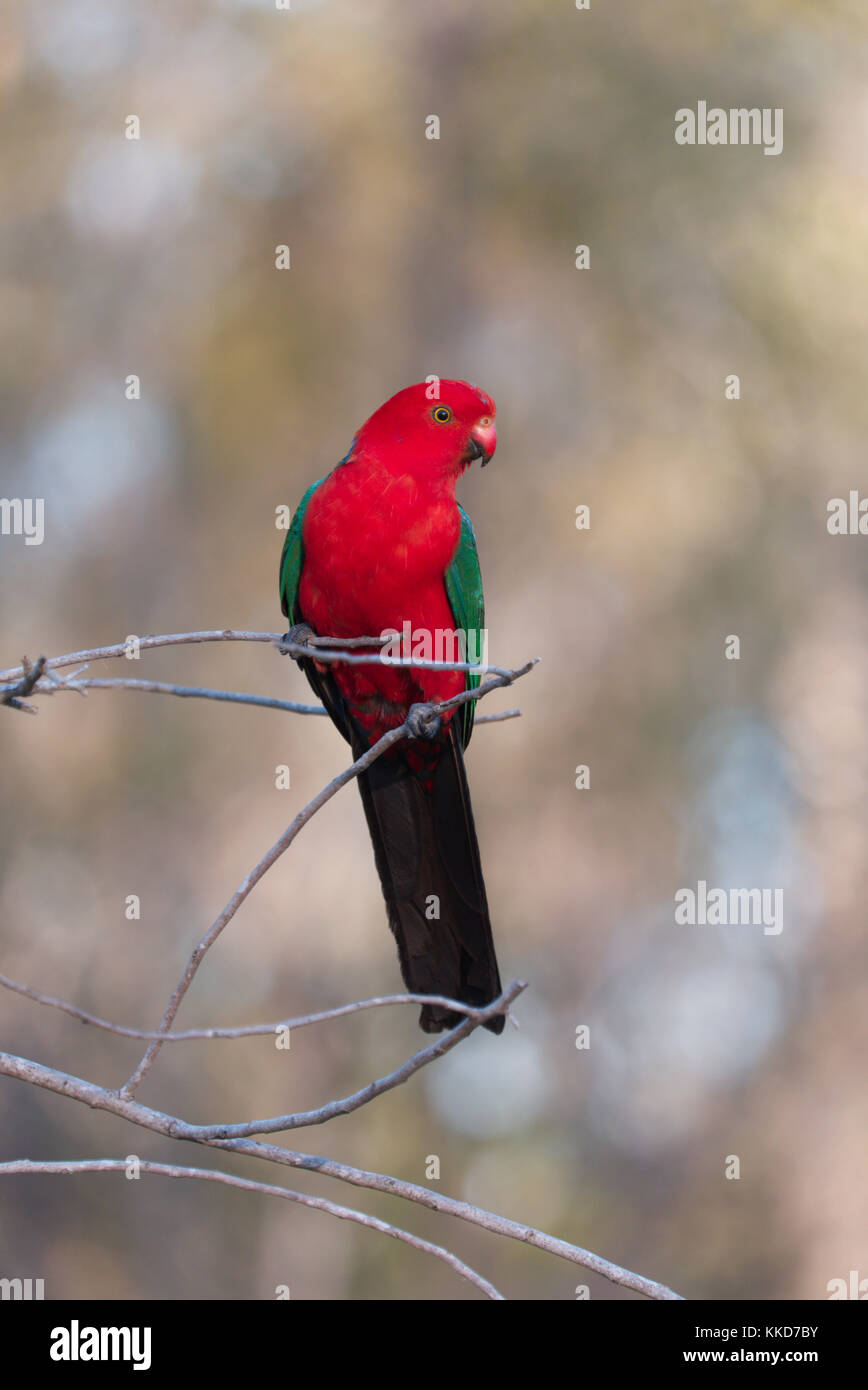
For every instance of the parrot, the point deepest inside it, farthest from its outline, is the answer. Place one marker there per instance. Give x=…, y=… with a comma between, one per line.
x=380, y=546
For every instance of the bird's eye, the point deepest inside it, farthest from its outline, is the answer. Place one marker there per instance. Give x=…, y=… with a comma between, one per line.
x=442, y=414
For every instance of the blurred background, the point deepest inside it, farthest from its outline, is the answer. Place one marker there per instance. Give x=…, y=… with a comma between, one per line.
x=455, y=256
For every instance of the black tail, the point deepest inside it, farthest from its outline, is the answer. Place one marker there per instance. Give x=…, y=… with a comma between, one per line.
x=428, y=861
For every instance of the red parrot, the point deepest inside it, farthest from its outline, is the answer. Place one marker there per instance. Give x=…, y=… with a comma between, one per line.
x=379, y=545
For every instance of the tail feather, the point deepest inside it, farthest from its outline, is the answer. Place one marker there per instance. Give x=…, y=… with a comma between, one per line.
x=428, y=860
x=425, y=849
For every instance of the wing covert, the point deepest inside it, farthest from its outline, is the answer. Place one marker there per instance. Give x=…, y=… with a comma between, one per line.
x=464, y=591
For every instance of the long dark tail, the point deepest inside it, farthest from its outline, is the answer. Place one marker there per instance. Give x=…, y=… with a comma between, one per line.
x=428, y=861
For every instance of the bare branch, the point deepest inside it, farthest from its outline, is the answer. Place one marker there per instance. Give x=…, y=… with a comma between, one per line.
x=451, y=1206
x=496, y=681
x=30, y=675
x=497, y=718
x=277, y=1124
x=170, y=1170
x=172, y=639
x=116, y=1103
x=39, y=678
x=415, y=663
x=184, y=691
x=252, y=1030
x=82, y=685
x=347, y=643
x=332, y=652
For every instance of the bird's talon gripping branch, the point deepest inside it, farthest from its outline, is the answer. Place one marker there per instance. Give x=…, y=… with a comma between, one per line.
x=298, y=636
x=423, y=721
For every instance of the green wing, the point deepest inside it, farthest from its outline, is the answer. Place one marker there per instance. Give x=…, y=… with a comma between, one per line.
x=464, y=590
x=292, y=558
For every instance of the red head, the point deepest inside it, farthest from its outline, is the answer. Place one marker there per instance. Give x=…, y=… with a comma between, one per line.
x=437, y=427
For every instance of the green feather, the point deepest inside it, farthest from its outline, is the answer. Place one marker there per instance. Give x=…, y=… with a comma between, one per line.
x=292, y=558
x=464, y=590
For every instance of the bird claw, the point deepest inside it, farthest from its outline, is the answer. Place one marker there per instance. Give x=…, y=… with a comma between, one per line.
x=298, y=636
x=423, y=721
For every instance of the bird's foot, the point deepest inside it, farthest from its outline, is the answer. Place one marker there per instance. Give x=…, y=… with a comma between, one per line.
x=298, y=636
x=423, y=721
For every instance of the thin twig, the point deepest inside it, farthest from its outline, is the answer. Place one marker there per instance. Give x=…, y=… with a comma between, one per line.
x=497, y=718
x=179, y=639
x=252, y=1030
x=414, y=663
x=171, y=1170
x=347, y=643
x=277, y=1124
x=171, y=639
x=185, y=692
x=11, y=695
x=54, y=685
x=450, y=1206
